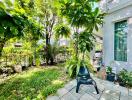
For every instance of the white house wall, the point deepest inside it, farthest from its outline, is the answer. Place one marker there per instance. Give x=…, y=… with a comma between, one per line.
x=108, y=37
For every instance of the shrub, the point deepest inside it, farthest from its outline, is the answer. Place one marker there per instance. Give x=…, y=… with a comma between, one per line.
x=125, y=78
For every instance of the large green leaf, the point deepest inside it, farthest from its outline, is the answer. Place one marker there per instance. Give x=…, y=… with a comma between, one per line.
x=2, y=6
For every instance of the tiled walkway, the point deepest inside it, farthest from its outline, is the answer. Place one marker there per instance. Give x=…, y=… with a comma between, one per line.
x=108, y=91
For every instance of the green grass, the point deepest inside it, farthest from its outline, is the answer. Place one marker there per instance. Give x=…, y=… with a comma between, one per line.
x=36, y=83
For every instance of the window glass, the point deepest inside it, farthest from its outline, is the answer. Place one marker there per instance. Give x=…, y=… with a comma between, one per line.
x=120, y=41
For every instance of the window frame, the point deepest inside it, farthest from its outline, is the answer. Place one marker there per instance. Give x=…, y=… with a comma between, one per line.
x=124, y=51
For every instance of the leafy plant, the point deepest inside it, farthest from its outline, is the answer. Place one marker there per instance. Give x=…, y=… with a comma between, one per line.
x=86, y=41
x=109, y=69
x=15, y=22
x=125, y=77
x=73, y=65
x=62, y=30
x=80, y=15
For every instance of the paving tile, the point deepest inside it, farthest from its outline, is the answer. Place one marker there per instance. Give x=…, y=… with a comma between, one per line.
x=53, y=98
x=110, y=95
x=84, y=87
x=108, y=91
x=101, y=87
x=73, y=82
x=70, y=85
x=69, y=96
x=91, y=90
x=125, y=97
x=62, y=92
x=87, y=97
x=130, y=92
x=79, y=94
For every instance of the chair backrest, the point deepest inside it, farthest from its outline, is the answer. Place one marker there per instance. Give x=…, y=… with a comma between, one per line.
x=83, y=71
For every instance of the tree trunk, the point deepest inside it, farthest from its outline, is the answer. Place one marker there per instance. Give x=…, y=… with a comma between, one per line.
x=47, y=40
x=76, y=43
x=2, y=43
x=47, y=49
x=51, y=61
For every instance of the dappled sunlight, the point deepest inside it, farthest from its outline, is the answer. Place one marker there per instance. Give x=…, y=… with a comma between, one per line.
x=36, y=82
x=28, y=73
x=107, y=91
x=55, y=82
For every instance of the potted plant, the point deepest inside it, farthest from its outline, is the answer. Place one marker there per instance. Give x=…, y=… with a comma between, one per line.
x=125, y=78
x=110, y=75
x=85, y=44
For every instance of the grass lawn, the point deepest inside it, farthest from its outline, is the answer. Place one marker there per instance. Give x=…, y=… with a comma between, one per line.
x=35, y=83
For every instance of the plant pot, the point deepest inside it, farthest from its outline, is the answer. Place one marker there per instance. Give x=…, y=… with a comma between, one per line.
x=122, y=84
x=111, y=77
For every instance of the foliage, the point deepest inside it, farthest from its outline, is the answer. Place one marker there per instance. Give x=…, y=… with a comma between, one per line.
x=81, y=16
x=126, y=77
x=73, y=65
x=36, y=83
x=17, y=55
x=109, y=69
x=50, y=52
x=47, y=14
x=80, y=13
x=62, y=30
x=15, y=22
x=86, y=42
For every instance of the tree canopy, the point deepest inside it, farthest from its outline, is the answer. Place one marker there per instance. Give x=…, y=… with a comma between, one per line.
x=15, y=22
x=80, y=13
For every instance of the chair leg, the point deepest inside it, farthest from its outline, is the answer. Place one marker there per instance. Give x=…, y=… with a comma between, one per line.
x=77, y=88
x=96, y=89
x=95, y=86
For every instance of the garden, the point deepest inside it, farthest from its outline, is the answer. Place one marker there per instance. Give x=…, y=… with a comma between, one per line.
x=44, y=43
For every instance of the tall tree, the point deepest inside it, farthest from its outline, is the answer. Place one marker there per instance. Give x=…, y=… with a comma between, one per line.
x=81, y=15
x=47, y=12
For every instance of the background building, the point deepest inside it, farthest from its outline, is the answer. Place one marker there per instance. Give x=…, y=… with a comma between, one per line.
x=117, y=33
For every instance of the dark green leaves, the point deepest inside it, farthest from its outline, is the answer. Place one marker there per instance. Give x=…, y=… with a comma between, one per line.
x=86, y=41
x=14, y=22
x=79, y=13
x=2, y=6
x=62, y=30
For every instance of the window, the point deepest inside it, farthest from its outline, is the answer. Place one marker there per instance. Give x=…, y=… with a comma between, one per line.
x=120, y=41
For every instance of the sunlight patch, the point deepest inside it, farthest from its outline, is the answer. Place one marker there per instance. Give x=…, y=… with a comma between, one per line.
x=55, y=82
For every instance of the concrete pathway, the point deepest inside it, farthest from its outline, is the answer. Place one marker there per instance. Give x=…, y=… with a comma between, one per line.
x=108, y=91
